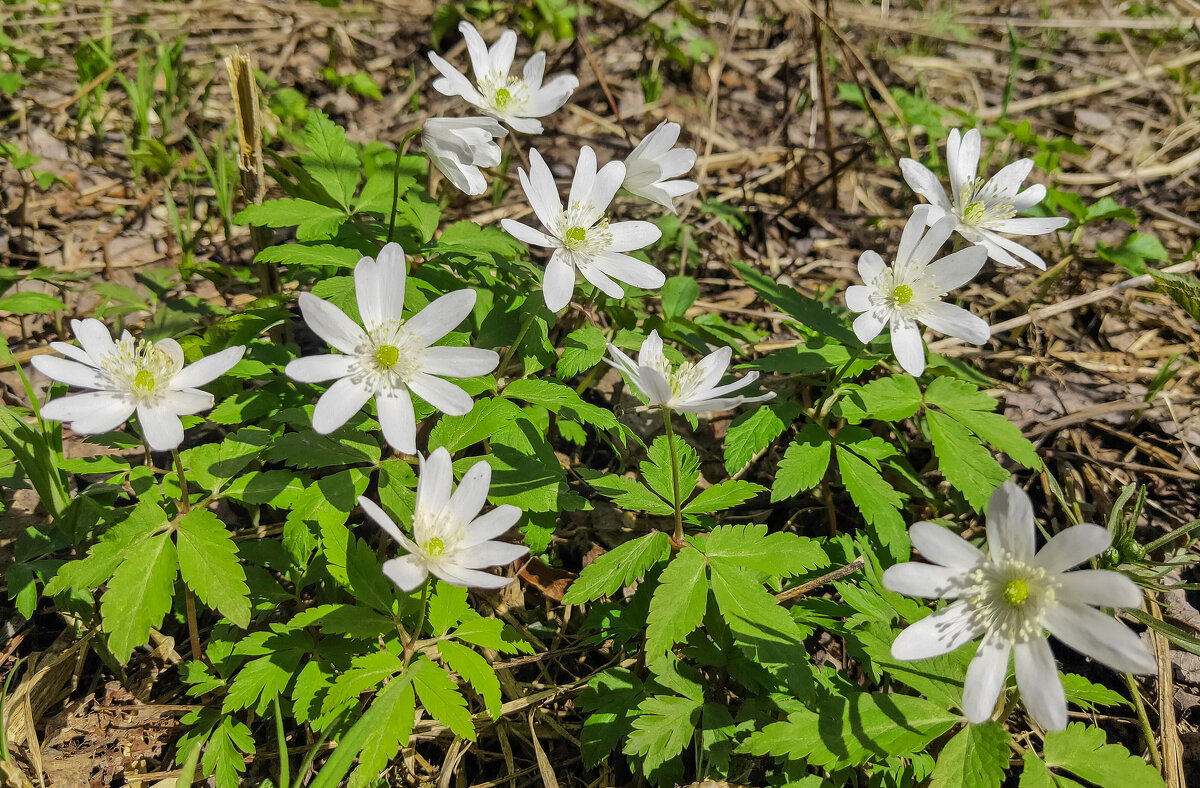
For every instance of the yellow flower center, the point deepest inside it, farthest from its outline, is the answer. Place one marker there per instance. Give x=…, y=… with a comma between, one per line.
x=144, y=380
x=576, y=236
x=503, y=97
x=1016, y=591
x=973, y=213
x=387, y=356
x=435, y=547
x=903, y=294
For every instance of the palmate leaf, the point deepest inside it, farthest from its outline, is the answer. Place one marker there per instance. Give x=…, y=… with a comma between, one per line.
x=447, y=607
x=753, y=431
x=557, y=397
x=312, y=220
x=374, y=739
x=440, y=697
x=656, y=469
x=976, y=757
x=877, y=500
x=618, y=568
x=139, y=594
x=754, y=615
x=888, y=399
x=332, y=162
x=630, y=494
x=677, y=607
x=663, y=729
x=804, y=462
x=107, y=554
x=1082, y=751
x=610, y=703
x=365, y=672
x=972, y=408
x=475, y=670
x=490, y=633
x=583, y=349
x=964, y=461
x=208, y=561
x=721, y=496
x=310, y=254
x=750, y=546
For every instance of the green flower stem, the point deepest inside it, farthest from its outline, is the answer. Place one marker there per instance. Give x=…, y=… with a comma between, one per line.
x=396, y=179
x=829, y=398
x=677, y=538
x=1144, y=722
x=410, y=647
x=189, y=598
x=285, y=777
x=508, y=354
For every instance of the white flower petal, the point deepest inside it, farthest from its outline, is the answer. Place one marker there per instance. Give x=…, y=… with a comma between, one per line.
x=435, y=480
x=957, y=322
x=630, y=236
x=1029, y=198
x=441, y=316
x=73, y=352
x=441, y=394
x=1099, y=587
x=906, y=344
x=710, y=369
x=871, y=265
x=582, y=185
x=1100, y=637
x=867, y=326
x=477, y=50
x=922, y=181
x=1072, y=546
x=186, y=402
x=527, y=235
x=468, y=500
x=380, y=518
x=162, y=428
x=397, y=420
x=535, y=69
x=943, y=547
x=996, y=252
x=605, y=186
x=550, y=97
x=379, y=286
x=469, y=578
x=858, y=299
x=90, y=413
x=73, y=373
x=925, y=580
x=407, y=572
x=93, y=336
x=315, y=369
x=541, y=190
x=330, y=323
x=955, y=270
x=628, y=269
x=491, y=524
x=1009, y=179
x=453, y=82
x=558, y=283
x=208, y=368
x=985, y=678
x=339, y=402
x=597, y=276
x=1010, y=526
x=1041, y=688
x=654, y=386
x=487, y=554
x=934, y=635
x=933, y=240
x=965, y=164
x=1022, y=252
x=1029, y=225
x=500, y=55
x=459, y=362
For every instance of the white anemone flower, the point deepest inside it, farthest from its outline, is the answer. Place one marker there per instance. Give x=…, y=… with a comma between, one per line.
x=983, y=208
x=130, y=376
x=1011, y=595
x=517, y=101
x=911, y=292
x=392, y=356
x=581, y=236
x=651, y=165
x=450, y=538
x=688, y=388
x=460, y=146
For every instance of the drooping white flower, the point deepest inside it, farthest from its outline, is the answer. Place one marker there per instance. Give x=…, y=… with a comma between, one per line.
x=392, y=357
x=460, y=146
x=911, y=291
x=688, y=388
x=517, y=101
x=983, y=208
x=450, y=538
x=581, y=236
x=132, y=375
x=1011, y=595
x=651, y=165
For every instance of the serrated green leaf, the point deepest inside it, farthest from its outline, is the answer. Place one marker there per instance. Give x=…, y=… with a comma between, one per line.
x=887, y=399
x=332, y=162
x=309, y=449
x=754, y=615
x=365, y=672
x=804, y=462
x=223, y=756
x=721, y=496
x=388, y=724
x=481, y=244
x=106, y=555
x=662, y=729
x=485, y=419
x=208, y=562
x=491, y=633
x=877, y=500
x=476, y=670
x=975, y=757
x=421, y=213
x=678, y=604
x=779, y=554
x=1082, y=692
x=211, y=464
x=1083, y=751
x=618, y=568
x=609, y=703
x=973, y=409
x=656, y=469
x=964, y=461
x=1184, y=289
x=631, y=494
x=1034, y=773
x=313, y=221
x=583, y=349
x=557, y=397
x=807, y=311
x=310, y=254
x=139, y=594
x=447, y=607
x=440, y=697
x=753, y=430
x=30, y=304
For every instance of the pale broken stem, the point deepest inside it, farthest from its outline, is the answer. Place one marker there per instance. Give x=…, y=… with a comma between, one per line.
x=829, y=577
x=677, y=537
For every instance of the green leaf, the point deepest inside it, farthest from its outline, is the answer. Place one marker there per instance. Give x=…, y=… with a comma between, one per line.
x=476, y=670
x=1034, y=773
x=1082, y=751
x=609, y=703
x=664, y=727
x=877, y=500
x=557, y=397
x=208, y=561
x=583, y=349
x=310, y=254
x=678, y=604
x=440, y=697
x=211, y=464
x=481, y=244
x=1184, y=289
x=333, y=162
x=753, y=431
x=804, y=462
x=778, y=554
x=491, y=633
x=618, y=568
x=447, y=607
x=1133, y=252
x=421, y=213
x=807, y=311
x=976, y=757
x=1108, y=208
x=366, y=672
x=725, y=495
x=973, y=409
x=963, y=460
x=388, y=723
x=631, y=494
x=139, y=595
x=309, y=449
x=1084, y=693
x=656, y=469
x=483, y=421
x=679, y=293
x=106, y=555
x=312, y=220
x=847, y=731
x=887, y=399
x=754, y=615
x=30, y=304
x=223, y=755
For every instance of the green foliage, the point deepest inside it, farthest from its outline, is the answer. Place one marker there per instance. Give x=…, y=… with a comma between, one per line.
x=975, y=757
x=1081, y=750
